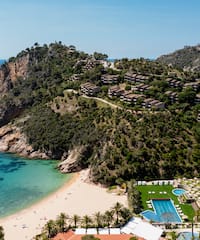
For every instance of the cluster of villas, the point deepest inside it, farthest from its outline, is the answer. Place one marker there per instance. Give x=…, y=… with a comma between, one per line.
x=139, y=87
x=135, y=98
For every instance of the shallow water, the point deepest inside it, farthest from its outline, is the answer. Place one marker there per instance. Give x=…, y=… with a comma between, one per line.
x=24, y=182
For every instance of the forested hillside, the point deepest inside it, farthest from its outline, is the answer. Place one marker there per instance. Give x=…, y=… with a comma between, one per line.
x=119, y=143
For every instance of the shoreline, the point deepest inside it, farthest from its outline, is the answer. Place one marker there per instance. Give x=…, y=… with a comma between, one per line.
x=72, y=179
x=76, y=196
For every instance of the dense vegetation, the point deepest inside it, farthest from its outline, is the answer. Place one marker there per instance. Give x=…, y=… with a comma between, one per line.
x=117, y=145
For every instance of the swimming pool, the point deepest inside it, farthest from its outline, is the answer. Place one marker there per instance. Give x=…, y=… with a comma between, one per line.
x=187, y=236
x=164, y=212
x=178, y=191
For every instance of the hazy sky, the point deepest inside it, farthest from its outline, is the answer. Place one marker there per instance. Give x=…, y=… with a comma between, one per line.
x=120, y=28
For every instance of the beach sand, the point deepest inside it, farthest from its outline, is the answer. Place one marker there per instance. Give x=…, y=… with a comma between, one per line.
x=75, y=197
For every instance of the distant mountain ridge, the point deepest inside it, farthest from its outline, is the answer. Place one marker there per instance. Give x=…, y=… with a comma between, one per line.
x=187, y=58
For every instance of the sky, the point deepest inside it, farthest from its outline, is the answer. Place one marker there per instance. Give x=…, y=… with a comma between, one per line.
x=119, y=28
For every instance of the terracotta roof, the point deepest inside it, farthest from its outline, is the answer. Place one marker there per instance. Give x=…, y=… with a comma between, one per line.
x=64, y=236
x=106, y=237
x=71, y=236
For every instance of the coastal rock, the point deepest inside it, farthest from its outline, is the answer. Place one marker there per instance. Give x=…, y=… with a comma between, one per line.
x=70, y=163
x=14, y=141
x=9, y=72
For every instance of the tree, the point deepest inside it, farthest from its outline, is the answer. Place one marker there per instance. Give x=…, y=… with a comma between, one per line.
x=86, y=221
x=100, y=56
x=50, y=228
x=98, y=220
x=117, y=208
x=125, y=214
x=187, y=96
x=108, y=217
x=75, y=219
x=1, y=233
x=61, y=222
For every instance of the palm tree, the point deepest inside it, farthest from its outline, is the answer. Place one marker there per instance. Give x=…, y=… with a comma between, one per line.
x=117, y=208
x=98, y=220
x=108, y=217
x=61, y=221
x=1, y=233
x=125, y=214
x=75, y=219
x=86, y=221
x=50, y=228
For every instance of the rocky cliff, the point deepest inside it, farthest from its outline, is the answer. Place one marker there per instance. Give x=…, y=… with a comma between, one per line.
x=9, y=72
x=14, y=141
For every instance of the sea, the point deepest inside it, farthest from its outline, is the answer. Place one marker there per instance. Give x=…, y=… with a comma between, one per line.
x=2, y=61
x=24, y=182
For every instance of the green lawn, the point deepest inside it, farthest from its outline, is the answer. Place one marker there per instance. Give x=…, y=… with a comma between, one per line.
x=145, y=195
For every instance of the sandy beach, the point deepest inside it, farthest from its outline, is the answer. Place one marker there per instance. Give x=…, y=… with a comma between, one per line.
x=77, y=196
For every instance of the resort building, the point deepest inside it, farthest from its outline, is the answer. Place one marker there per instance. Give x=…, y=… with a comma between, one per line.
x=150, y=103
x=109, y=79
x=136, y=227
x=130, y=77
x=75, y=77
x=135, y=78
x=115, y=91
x=174, y=83
x=142, y=229
x=132, y=98
x=141, y=79
x=197, y=98
x=141, y=88
x=198, y=119
x=102, y=235
x=89, y=89
x=173, y=96
x=194, y=85
x=90, y=64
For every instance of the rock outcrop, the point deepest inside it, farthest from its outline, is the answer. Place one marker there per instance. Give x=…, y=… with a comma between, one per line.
x=187, y=58
x=71, y=163
x=14, y=141
x=9, y=72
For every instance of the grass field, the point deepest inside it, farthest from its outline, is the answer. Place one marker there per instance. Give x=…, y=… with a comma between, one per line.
x=159, y=193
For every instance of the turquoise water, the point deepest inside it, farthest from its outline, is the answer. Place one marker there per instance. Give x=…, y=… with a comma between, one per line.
x=164, y=211
x=178, y=191
x=24, y=182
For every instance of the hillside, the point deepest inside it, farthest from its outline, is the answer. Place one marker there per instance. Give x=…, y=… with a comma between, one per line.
x=187, y=58
x=117, y=143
